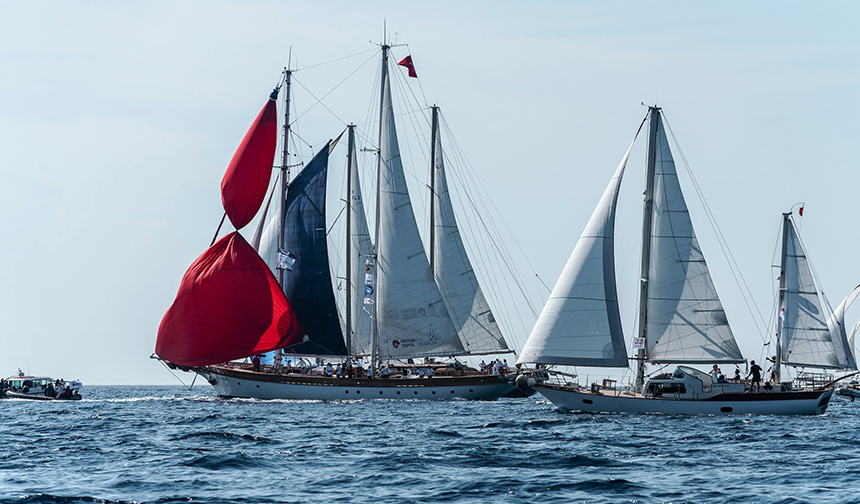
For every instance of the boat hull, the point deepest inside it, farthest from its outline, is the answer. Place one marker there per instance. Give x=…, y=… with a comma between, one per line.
x=247, y=384
x=766, y=403
x=34, y=397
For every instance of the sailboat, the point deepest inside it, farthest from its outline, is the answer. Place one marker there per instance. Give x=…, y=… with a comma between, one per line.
x=401, y=305
x=809, y=333
x=681, y=318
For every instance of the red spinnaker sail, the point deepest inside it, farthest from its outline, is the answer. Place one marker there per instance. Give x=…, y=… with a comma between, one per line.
x=229, y=306
x=244, y=185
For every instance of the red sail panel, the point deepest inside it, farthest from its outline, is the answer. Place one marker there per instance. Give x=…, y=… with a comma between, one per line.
x=244, y=185
x=229, y=306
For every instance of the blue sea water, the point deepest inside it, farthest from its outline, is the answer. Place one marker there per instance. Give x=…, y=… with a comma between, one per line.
x=168, y=444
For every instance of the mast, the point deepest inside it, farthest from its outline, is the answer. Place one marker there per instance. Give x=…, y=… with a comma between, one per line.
x=647, y=217
x=433, y=153
x=374, y=343
x=285, y=170
x=777, y=364
x=349, y=251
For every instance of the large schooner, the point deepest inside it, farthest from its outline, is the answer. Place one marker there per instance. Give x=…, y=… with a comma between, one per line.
x=404, y=310
x=680, y=318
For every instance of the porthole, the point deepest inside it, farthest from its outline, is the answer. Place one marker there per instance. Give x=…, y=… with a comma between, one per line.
x=380, y=392
x=726, y=409
x=347, y=391
x=357, y=391
x=238, y=383
x=258, y=386
x=434, y=392
x=471, y=390
x=416, y=392
x=452, y=391
x=398, y=392
x=588, y=401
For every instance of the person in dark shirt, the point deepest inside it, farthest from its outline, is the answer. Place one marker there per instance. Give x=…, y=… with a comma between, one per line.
x=256, y=362
x=755, y=373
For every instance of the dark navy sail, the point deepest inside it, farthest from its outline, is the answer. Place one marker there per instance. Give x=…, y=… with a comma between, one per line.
x=307, y=282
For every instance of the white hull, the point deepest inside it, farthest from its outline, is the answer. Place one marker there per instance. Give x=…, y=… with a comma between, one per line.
x=764, y=403
x=247, y=384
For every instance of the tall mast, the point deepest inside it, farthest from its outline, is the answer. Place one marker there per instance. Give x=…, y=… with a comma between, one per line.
x=647, y=218
x=349, y=161
x=285, y=169
x=433, y=154
x=374, y=352
x=777, y=364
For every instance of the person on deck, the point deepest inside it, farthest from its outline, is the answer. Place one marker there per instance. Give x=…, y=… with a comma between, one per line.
x=256, y=363
x=715, y=373
x=755, y=372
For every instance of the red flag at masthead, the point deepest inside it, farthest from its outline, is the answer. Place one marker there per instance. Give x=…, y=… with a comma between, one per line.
x=407, y=62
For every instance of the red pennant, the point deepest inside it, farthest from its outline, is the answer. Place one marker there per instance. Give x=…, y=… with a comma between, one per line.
x=800, y=211
x=407, y=62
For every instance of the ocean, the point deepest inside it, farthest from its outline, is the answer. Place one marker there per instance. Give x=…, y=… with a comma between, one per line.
x=159, y=444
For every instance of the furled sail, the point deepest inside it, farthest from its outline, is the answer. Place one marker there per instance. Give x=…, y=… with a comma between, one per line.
x=229, y=306
x=361, y=252
x=686, y=322
x=463, y=297
x=244, y=185
x=307, y=283
x=580, y=325
x=806, y=338
x=412, y=319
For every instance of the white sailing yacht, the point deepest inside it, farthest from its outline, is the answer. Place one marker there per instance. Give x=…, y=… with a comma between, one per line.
x=681, y=318
x=401, y=306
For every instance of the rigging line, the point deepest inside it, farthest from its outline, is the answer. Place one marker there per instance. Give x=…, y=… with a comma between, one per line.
x=319, y=100
x=493, y=205
x=342, y=209
x=177, y=376
x=336, y=60
x=733, y=266
x=419, y=83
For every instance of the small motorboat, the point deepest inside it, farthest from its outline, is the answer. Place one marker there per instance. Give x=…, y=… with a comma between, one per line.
x=40, y=388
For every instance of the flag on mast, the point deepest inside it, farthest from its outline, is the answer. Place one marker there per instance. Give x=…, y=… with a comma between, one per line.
x=407, y=62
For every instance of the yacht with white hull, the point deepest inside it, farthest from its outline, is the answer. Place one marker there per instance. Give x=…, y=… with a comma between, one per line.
x=681, y=318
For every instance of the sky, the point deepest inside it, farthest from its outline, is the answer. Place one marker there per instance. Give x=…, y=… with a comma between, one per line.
x=117, y=120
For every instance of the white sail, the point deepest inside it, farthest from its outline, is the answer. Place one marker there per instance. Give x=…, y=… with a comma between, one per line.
x=686, y=322
x=412, y=319
x=466, y=303
x=806, y=338
x=361, y=252
x=580, y=325
x=267, y=234
x=836, y=323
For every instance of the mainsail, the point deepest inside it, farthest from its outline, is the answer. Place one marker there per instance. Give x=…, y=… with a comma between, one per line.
x=686, y=322
x=580, y=324
x=307, y=283
x=412, y=319
x=463, y=297
x=808, y=337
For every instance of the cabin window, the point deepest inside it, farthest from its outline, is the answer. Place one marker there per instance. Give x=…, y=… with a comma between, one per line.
x=661, y=389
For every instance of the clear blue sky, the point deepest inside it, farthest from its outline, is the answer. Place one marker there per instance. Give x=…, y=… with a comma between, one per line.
x=118, y=119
